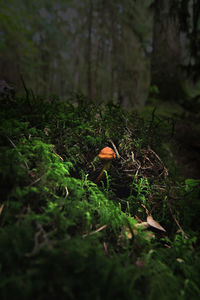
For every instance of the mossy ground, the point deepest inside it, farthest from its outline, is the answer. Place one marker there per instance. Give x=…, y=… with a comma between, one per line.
x=64, y=237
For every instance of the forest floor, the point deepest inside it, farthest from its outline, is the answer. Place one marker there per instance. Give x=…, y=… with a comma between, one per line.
x=133, y=234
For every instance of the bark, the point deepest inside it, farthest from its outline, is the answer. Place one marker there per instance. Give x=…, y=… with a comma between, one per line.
x=166, y=56
x=99, y=49
x=89, y=54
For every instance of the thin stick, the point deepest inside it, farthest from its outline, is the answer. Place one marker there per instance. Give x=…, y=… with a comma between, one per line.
x=1, y=208
x=97, y=230
x=37, y=180
x=67, y=192
x=156, y=155
x=116, y=151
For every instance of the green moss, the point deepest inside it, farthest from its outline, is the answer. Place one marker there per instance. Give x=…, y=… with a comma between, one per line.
x=63, y=236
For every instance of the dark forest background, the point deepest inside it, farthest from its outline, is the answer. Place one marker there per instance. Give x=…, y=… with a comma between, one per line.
x=79, y=79
x=105, y=49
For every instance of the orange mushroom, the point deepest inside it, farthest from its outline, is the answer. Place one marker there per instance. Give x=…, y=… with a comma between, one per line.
x=106, y=154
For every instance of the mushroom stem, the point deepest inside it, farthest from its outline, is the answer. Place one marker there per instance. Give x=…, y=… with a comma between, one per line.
x=105, y=168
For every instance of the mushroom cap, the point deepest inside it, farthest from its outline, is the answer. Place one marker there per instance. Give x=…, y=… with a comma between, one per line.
x=107, y=153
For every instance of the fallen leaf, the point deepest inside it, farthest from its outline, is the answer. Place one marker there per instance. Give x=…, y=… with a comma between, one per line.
x=143, y=225
x=128, y=233
x=180, y=260
x=154, y=224
x=134, y=229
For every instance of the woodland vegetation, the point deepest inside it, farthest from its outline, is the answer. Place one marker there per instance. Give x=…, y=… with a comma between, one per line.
x=76, y=77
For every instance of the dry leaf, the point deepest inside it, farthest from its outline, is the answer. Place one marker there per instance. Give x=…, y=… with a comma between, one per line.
x=180, y=260
x=154, y=224
x=143, y=224
x=128, y=232
x=134, y=229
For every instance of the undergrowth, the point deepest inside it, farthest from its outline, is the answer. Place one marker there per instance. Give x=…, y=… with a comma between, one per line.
x=62, y=236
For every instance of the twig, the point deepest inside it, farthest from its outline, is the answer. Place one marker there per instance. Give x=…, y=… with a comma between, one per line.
x=40, y=235
x=105, y=248
x=99, y=229
x=37, y=180
x=132, y=156
x=1, y=208
x=116, y=151
x=176, y=221
x=146, y=210
x=59, y=156
x=67, y=192
x=139, y=166
x=164, y=168
x=138, y=219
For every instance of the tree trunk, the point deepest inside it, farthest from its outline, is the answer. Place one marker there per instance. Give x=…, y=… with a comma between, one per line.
x=89, y=54
x=166, y=56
